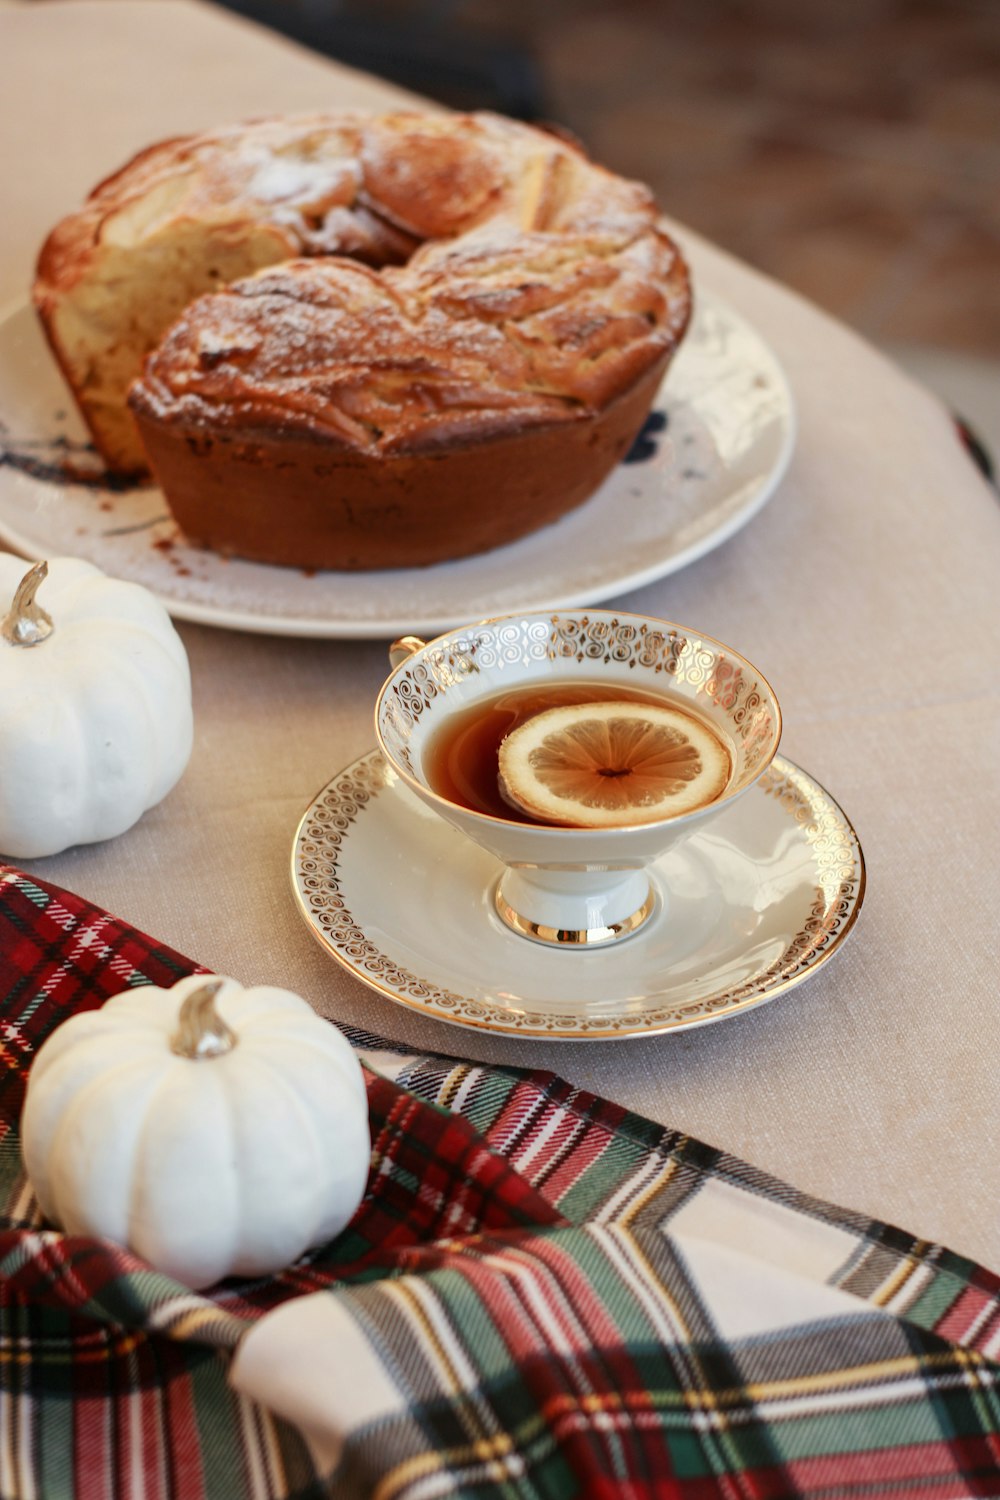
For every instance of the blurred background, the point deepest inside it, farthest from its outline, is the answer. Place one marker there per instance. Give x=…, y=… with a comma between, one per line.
x=850, y=148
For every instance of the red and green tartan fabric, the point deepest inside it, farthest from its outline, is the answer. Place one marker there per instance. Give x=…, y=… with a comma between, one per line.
x=542, y=1295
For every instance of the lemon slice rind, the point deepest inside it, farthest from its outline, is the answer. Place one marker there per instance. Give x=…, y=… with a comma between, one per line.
x=612, y=764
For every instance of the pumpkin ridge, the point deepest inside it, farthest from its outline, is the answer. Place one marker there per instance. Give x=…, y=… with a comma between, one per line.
x=75, y=1034
x=272, y=1081
x=332, y=1159
x=153, y=1235
x=70, y=1131
x=118, y=783
x=292, y=1038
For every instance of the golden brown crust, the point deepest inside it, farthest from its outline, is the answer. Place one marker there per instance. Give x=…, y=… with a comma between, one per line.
x=305, y=500
x=466, y=342
x=396, y=288
x=483, y=196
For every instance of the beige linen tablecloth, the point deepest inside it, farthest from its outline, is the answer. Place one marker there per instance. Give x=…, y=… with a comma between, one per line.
x=866, y=590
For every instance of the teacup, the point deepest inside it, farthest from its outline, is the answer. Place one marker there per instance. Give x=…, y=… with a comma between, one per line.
x=567, y=886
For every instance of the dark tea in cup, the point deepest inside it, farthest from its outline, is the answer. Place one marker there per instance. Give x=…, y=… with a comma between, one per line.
x=608, y=767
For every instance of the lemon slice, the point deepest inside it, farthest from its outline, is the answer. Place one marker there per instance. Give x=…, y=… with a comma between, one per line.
x=607, y=765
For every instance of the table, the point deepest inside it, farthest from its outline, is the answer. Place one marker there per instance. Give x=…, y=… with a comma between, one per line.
x=866, y=590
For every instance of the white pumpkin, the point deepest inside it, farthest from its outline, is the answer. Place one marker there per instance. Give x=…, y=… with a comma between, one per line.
x=95, y=706
x=212, y=1129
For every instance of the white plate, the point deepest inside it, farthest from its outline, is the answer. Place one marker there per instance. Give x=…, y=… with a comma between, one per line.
x=723, y=447
x=747, y=908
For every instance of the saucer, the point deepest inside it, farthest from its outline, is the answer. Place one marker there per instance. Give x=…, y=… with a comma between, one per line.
x=746, y=909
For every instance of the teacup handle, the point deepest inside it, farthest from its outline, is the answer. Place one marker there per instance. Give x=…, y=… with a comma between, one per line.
x=403, y=649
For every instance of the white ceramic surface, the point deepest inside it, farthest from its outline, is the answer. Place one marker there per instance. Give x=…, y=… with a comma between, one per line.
x=725, y=435
x=758, y=901
x=566, y=885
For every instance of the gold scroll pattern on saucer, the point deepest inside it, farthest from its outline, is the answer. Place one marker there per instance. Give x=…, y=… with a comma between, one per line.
x=838, y=895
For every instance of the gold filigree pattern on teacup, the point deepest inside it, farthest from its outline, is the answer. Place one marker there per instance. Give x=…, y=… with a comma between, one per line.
x=316, y=872
x=591, y=639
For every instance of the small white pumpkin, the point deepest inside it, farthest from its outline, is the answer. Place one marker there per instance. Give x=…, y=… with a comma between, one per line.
x=95, y=706
x=212, y=1129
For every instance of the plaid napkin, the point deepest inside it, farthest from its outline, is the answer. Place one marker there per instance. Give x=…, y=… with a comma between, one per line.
x=542, y=1295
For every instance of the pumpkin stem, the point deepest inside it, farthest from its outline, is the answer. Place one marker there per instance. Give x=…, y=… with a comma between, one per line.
x=201, y=1031
x=27, y=623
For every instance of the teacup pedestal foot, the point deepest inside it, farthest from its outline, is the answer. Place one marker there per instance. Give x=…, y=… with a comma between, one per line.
x=574, y=908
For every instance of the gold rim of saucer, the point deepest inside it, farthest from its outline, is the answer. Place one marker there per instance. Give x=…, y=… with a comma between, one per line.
x=573, y=937
x=807, y=811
